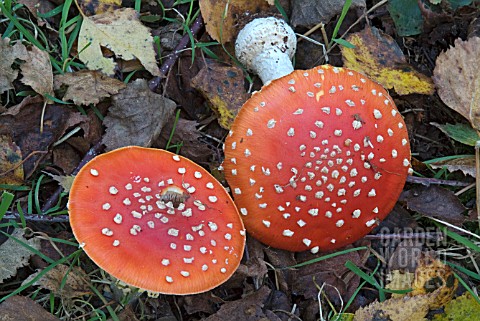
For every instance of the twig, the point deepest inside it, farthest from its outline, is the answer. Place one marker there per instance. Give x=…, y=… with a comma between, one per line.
x=427, y=181
x=197, y=25
x=438, y=236
x=36, y=217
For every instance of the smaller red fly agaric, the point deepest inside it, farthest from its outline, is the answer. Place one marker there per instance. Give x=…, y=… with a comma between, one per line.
x=156, y=221
x=316, y=159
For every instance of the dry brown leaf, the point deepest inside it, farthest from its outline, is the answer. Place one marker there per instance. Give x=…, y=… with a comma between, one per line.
x=18, y=308
x=378, y=56
x=188, y=135
x=120, y=31
x=247, y=308
x=457, y=79
x=11, y=169
x=465, y=164
x=14, y=255
x=64, y=281
x=308, y=13
x=37, y=71
x=223, y=87
x=9, y=54
x=435, y=201
x=221, y=24
x=137, y=116
x=87, y=86
x=22, y=123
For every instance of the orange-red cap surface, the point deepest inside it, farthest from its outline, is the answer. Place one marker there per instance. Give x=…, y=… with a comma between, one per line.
x=316, y=159
x=156, y=220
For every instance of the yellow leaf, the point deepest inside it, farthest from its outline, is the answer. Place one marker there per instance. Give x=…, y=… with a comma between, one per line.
x=121, y=32
x=432, y=275
x=91, y=7
x=11, y=169
x=378, y=56
x=223, y=87
x=399, y=280
x=397, y=309
x=221, y=20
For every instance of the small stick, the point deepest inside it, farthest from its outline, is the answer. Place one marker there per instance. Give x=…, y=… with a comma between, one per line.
x=435, y=181
x=36, y=217
x=406, y=236
x=197, y=25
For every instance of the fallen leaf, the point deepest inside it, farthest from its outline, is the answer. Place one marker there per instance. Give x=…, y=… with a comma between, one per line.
x=466, y=164
x=11, y=169
x=87, y=86
x=463, y=308
x=178, y=85
x=308, y=13
x=307, y=279
x=435, y=201
x=37, y=71
x=223, y=87
x=457, y=79
x=120, y=31
x=9, y=54
x=65, y=181
x=431, y=276
x=64, y=281
x=22, y=123
x=397, y=309
x=221, y=20
x=24, y=309
x=189, y=137
x=14, y=255
x=462, y=133
x=205, y=302
x=406, y=254
x=248, y=308
x=93, y=7
x=399, y=280
x=136, y=117
x=378, y=56
x=406, y=16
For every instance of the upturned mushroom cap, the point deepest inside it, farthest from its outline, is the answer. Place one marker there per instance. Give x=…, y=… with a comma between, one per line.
x=156, y=221
x=316, y=159
x=266, y=46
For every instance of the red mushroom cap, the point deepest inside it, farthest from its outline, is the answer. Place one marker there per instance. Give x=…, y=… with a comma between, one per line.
x=156, y=220
x=316, y=159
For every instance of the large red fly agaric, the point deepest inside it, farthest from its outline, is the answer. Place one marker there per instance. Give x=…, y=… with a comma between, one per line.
x=316, y=159
x=156, y=221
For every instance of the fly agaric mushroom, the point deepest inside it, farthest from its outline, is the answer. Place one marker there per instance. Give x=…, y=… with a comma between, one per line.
x=316, y=159
x=156, y=221
x=266, y=46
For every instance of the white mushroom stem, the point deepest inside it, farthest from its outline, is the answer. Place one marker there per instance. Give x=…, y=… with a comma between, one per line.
x=266, y=46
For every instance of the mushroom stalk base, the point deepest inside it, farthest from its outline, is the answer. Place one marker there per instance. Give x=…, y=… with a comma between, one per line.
x=271, y=65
